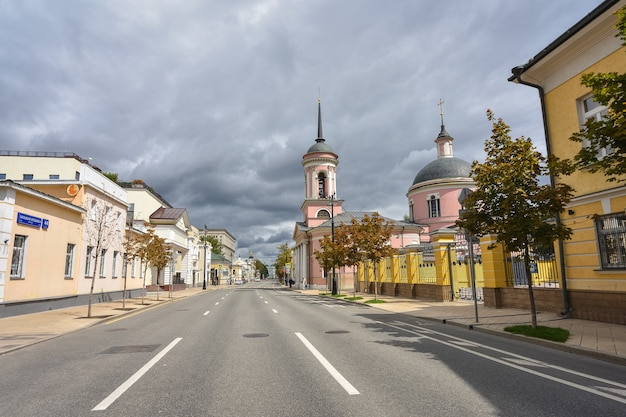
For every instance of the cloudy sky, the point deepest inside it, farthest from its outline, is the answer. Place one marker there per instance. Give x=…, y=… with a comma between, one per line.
x=214, y=102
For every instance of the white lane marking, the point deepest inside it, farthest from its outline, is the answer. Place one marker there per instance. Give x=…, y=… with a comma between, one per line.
x=206, y=313
x=217, y=303
x=521, y=357
x=521, y=368
x=130, y=381
x=274, y=310
x=331, y=369
x=266, y=302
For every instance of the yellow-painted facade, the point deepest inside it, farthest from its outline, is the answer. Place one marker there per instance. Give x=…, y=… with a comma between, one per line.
x=596, y=50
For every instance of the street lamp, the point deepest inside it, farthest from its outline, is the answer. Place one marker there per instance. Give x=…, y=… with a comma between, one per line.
x=204, y=280
x=332, y=237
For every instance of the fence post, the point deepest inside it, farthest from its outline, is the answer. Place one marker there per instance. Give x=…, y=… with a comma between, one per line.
x=494, y=270
x=441, y=239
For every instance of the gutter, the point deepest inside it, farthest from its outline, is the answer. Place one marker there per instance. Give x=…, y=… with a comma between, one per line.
x=517, y=76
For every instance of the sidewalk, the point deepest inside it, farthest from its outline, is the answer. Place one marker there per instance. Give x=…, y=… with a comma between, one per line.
x=17, y=332
x=601, y=340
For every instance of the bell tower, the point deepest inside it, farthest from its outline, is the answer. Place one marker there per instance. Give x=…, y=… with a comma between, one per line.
x=320, y=179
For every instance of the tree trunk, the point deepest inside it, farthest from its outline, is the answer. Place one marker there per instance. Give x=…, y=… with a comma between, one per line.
x=93, y=281
x=529, y=279
x=375, y=283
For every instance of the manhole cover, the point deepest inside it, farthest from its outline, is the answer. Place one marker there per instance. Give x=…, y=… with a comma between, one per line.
x=131, y=349
x=256, y=335
x=337, y=332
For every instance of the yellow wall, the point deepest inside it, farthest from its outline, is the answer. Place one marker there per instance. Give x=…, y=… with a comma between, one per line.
x=45, y=250
x=581, y=252
x=563, y=121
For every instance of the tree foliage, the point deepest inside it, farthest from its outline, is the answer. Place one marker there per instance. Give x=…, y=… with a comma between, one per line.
x=216, y=245
x=608, y=89
x=367, y=239
x=510, y=200
x=283, y=258
x=153, y=251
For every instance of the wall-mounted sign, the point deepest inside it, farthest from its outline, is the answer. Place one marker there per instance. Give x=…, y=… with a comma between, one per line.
x=34, y=221
x=72, y=190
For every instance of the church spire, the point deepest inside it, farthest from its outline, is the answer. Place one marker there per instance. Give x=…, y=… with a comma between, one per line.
x=320, y=137
x=444, y=140
x=443, y=132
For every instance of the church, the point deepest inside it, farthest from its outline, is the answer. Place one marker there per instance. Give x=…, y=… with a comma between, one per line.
x=432, y=198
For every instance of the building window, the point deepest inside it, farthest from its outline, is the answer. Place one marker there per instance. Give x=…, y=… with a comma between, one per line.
x=589, y=109
x=434, y=209
x=114, y=266
x=103, y=256
x=411, y=215
x=323, y=214
x=3, y=176
x=321, y=185
x=77, y=176
x=92, y=210
x=611, y=231
x=28, y=177
x=19, y=254
x=54, y=176
x=133, y=266
x=69, y=260
x=88, y=259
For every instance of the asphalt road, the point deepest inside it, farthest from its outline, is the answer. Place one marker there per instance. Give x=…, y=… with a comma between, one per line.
x=258, y=350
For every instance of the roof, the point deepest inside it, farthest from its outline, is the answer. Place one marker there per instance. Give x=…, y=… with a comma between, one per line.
x=443, y=168
x=347, y=216
x=590, y=17
x=167, y=213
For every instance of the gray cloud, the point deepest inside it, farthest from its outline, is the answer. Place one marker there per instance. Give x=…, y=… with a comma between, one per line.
x=213, y=103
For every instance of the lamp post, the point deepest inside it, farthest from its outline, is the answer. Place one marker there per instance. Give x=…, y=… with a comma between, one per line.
x=332, y=237
x=204, y=273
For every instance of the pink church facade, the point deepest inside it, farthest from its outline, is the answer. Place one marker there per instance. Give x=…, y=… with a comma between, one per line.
x=434, y=195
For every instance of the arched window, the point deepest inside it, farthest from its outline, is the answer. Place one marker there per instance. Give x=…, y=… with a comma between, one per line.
x=411, y=216
x=323, y=214
x=321, y=185
x=434, y=209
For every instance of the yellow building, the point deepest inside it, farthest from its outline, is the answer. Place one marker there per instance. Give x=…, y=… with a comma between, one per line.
x=98, y=253
x=40, y=242
x=593, y=262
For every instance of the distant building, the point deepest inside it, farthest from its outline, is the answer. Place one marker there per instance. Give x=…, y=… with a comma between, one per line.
x=322, y=211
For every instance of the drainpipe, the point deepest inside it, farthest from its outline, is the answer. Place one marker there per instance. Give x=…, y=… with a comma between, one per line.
x=517, y=75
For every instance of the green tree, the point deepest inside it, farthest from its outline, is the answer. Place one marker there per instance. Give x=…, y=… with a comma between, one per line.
x=609, y=89
x=371, y=238
x=510, y=201
x=260, y=266
x=216, y=245
x=153, y=251
x=283, y=258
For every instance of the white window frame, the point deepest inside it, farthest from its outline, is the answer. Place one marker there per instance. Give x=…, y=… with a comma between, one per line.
x=69, y=260
x=611, y=236
x=588, y=108
x=114, y=265
x=18, y=264
x=88, y=258
x=103, y=256
x=434, y=206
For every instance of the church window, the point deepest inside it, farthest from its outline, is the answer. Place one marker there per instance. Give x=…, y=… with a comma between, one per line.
x=411, y=216
x=434, y=208
x=321, y=185
x=323, y=214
